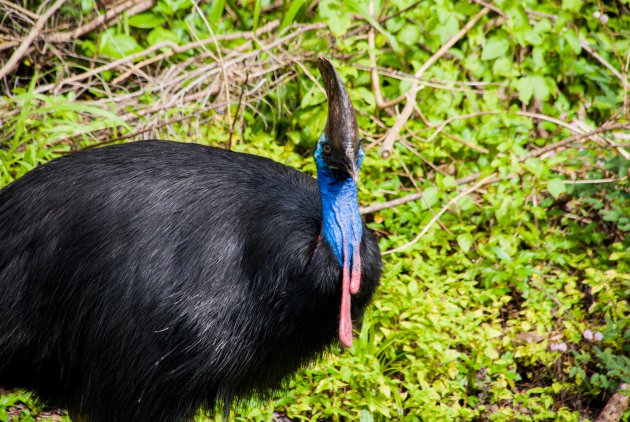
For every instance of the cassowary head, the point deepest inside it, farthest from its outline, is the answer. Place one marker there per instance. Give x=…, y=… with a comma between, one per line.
x=339, y=156
x=338, y=148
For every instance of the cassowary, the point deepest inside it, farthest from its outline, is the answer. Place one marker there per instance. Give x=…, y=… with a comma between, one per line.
x=141, y=282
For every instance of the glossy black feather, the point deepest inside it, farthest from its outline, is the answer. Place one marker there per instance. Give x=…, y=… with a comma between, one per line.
x=142, y=281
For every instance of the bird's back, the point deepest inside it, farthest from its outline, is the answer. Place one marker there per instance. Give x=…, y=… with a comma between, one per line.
x=137, y=276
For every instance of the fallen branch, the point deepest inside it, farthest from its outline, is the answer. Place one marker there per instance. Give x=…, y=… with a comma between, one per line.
x=165, y=55
x=491, y=7
x=409, y=198
x=391, y=204
x=20, y=9
x=160, y=107
x=592, y=52
x=571, y=139
x=450, y=120
x=603, y=141
x=17, y=55
x=466, y=143
x=131, y=7
x=376, y=84
x=401, y=76
x=111, y=16
x=616, y=406
x=175, y=49
x=486, y=180
x=594, y=181
x=577, y=130
x=404, y=116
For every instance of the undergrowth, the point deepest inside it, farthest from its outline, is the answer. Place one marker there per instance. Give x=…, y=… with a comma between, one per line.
x=512, y=305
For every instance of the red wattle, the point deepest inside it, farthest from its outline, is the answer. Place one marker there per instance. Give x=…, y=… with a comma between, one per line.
x=345, y=320
x=355, y=277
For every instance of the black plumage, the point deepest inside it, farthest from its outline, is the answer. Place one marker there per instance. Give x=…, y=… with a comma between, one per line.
x=143, y=281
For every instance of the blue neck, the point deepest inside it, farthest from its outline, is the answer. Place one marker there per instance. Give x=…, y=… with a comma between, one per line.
x=341, y=219
x=342, y=228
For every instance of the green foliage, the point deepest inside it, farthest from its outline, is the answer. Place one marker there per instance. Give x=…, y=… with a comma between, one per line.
x=336, y=15
x=23, y=407
x=514, y=306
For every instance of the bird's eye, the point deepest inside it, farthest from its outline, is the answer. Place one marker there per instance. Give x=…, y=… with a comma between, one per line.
x=327, y=148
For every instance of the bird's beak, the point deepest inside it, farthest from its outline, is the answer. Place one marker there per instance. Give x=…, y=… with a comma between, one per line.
x=350, y=167
x=341, y=129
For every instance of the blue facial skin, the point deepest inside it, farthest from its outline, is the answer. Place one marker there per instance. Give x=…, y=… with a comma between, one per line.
x=342, y=221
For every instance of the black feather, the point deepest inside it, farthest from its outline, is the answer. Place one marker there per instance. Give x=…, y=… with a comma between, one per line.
x=143, y=281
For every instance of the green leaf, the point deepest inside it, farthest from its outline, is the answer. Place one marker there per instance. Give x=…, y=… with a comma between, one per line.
x=617, y=255
x=159, y=35
x=572, y=5
x=536, y=167
x=146, y=20
x=366, y=416
x=534, y=85
x=312, y=97
x=501, y=253
x=409, y=35
x=538, y=56
x=412, y=287
x=465, y=241
x=257, y=10
x=447, y=183
x=291, y=13
x=556, y=187
x=177, y=5
x=117, y=45
x=502, y=66
x=336, y=16
x=525, y=89
x=491, y=352
x=573, y=40
x=504, y=211
x=216, y=12
x=495, y=47
x=429, y=197
x=448, y=28
x=360, y=8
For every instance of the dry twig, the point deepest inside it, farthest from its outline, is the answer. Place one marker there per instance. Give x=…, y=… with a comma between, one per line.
x=130, y=7
x=410, y=198
x=485, y=181
x=20, y=9
x=17, y=55
x=571, y=139
x=174, y=49
x=404, y=116
x=391, y=204
x=616, y=406
x=595, y=54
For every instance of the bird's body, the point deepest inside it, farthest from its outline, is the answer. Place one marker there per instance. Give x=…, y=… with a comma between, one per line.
x=140, y=282
x=240, y=294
